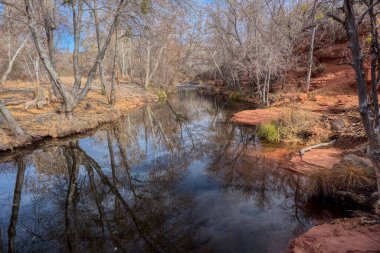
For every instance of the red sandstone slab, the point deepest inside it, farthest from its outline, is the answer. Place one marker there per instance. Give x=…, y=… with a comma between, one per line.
x=325, y=158
x=337, y=238
x=257, y=117
x=315, y=159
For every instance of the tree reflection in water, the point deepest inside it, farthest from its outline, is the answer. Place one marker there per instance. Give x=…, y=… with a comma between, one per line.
x=169, y=178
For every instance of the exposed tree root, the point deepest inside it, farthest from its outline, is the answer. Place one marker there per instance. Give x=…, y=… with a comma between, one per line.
x=41, y=99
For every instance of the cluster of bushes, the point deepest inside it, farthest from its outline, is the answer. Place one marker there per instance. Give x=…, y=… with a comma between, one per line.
x=293, y=127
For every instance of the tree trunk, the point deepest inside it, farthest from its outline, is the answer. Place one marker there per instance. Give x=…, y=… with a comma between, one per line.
x=36, y=64
x=12, y=123
x=112, y=95
x=77, y=21
x=157, y=63
x=70, y=100
x=123, y=61
x=131, y=76
x=364, y=108
x=101, y=70
x=49, y=27
x=11, y=62
x=147, y=73
x=100, y=56
x=374, y=61
x=311, y=57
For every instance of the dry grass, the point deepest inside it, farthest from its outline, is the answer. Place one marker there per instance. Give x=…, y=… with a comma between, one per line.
x=344, y=177
x=295, y=126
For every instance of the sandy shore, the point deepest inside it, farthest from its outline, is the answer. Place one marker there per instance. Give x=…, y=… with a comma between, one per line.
x=91, y=113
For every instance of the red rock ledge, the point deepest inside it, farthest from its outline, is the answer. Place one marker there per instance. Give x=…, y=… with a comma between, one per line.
x=257, y=116
x=338, y=238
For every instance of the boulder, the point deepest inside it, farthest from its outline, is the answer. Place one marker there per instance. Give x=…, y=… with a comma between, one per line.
x=358, y=161
x=338, y=238
x=258, y=116
x=325, y=158
x=315, y=159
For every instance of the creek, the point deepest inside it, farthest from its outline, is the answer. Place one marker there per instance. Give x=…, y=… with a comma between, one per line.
x=175, y=176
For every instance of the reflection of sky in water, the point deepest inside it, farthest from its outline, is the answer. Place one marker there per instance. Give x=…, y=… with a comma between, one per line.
x=234, y=220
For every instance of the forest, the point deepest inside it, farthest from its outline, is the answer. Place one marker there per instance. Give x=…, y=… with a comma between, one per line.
x=189, y=126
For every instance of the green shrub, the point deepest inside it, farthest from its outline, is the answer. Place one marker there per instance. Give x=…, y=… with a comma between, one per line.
x=269, y=132
x=162, y=96
x=294, y=127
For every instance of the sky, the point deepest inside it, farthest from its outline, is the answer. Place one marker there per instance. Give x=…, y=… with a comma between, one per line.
x=65, y=42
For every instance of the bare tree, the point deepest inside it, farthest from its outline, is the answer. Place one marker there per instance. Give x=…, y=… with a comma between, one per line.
x=13, y=38
x=149, y=71
x=71, y=98
x=368, y=103
x=11, y=62
x=112, y=95
x=251, y=43
x=95, y=12
x=314, y=27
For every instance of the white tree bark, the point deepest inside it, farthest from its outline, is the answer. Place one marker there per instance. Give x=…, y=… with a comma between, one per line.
x=12, y=123
x=70, y=99
x=147, y=74
x=310, y=63
x=11, y=62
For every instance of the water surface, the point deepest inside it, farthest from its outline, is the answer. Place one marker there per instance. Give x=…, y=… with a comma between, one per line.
x=171, y=177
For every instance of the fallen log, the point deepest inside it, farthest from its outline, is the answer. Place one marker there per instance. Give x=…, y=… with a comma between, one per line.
x=16, y=102
x=307, y=149
x=11, y=90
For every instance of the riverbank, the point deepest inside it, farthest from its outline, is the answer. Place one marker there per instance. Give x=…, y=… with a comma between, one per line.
x=181, y=151
x=91, y=113
x=332, y=106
